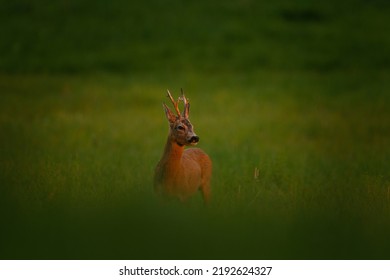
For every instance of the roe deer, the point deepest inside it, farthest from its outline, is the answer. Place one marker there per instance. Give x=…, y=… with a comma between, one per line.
x=182, y=172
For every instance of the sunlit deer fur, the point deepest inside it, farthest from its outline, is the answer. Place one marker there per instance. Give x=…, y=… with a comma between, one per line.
x=182, y=172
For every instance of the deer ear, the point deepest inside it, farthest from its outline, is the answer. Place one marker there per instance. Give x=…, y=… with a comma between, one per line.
x=170, y=116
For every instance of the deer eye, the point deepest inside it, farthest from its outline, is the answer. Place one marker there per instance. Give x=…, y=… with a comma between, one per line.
x=180, y=127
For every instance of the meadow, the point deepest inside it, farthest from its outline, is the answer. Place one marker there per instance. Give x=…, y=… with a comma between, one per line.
x=296, y=91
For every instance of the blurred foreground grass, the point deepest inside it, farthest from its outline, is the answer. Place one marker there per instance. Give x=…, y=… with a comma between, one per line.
x=298, y=91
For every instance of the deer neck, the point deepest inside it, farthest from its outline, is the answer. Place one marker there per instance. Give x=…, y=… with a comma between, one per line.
x=172, y=156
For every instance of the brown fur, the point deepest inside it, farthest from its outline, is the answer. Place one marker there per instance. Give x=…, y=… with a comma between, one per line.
x=182, y=172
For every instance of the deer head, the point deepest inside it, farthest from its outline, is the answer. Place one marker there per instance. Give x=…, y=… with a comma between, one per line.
x=181, y=130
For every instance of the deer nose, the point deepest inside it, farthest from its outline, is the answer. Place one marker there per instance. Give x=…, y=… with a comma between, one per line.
x=194, y=139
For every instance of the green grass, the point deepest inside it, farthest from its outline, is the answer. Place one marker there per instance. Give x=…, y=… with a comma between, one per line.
x=298, y=91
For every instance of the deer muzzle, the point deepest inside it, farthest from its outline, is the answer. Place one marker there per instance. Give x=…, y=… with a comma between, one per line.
x=193, y=140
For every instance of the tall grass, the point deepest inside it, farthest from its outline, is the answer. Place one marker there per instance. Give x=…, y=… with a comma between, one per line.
x=77, y=164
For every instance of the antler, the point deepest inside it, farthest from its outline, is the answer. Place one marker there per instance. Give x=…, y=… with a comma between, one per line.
x=175, y=103
x=186, y=110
